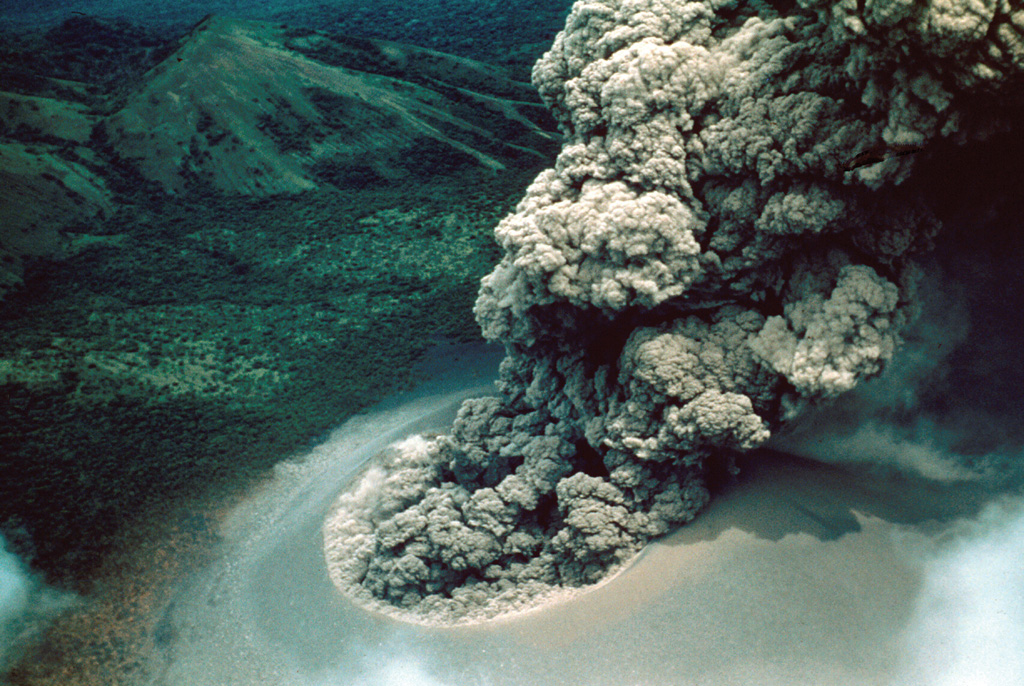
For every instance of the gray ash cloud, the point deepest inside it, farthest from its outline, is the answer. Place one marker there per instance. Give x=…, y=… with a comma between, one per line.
x=727, y=237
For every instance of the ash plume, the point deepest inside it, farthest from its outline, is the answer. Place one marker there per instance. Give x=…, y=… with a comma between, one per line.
x=727, y=237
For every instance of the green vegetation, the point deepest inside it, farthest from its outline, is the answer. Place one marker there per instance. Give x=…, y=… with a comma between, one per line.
x=196, y=341
x=289, y=131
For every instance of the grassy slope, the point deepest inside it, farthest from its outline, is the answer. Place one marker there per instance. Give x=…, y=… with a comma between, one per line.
x=259, y=109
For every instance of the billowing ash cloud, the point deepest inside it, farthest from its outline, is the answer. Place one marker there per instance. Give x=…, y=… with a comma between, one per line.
x=726, y=237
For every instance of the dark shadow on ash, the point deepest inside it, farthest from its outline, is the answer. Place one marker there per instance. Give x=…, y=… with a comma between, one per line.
x=778, y=494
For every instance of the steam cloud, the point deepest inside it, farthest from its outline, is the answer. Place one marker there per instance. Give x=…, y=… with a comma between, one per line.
x=966, y=627
x=726, y=238
x=25, y=604
x=15, y=594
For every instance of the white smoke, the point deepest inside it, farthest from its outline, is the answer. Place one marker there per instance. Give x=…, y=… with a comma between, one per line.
x=26, y=605
x=967, y=628
x=392, y=671
x=16, y=589
x=401, y=671
x=394, y=662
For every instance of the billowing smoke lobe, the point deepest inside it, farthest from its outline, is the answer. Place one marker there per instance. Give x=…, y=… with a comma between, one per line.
x=951, y=407
x=727, y=238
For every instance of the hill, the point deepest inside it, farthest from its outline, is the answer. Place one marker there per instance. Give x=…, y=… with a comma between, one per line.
x=257, y=108
x=239, y=108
